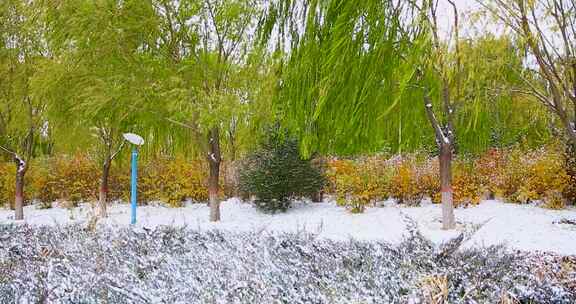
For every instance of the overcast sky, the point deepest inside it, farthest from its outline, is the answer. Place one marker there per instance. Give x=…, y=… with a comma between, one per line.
x=445, y=14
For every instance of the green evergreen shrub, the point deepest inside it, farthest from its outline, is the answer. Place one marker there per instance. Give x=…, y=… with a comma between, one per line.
x=276, y=173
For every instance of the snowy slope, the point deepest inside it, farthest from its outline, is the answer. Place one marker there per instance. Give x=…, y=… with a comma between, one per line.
x=518, y=226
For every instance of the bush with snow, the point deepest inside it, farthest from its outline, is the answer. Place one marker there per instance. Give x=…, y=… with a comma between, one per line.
x=276, y=173
x=72, y=264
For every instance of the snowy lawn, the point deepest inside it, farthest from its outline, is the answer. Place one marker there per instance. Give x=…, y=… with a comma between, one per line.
x=522, y=227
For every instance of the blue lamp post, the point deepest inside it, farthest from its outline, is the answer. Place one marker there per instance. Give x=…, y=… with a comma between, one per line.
x=136, y=140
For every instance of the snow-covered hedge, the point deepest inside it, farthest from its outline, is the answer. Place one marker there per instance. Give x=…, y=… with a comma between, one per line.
x=72, y=264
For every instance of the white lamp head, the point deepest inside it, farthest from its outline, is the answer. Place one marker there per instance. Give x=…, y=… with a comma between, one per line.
x=134, y=138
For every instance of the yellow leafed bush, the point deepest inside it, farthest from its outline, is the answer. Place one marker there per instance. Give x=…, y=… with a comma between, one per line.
x=515, y=175
x=429, y=179
x=554, y=199
x=7, y=182
x=73, y=179
x=489, y=170
x=404, y=184
x=69, y=178
x=358, y=183
x=527, y=176
x=466, y=184
x=173, y=181
x=570, y=164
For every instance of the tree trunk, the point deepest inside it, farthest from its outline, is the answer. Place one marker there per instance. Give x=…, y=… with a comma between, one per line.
x=570, y=128
x=19, y=197
x=448, y=221
x=317, y=197
x=103, y=199
x=232, y=140
x=214, y=159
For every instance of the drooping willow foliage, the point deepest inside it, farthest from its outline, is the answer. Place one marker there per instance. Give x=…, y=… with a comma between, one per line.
x=345, y=78
x=349, y=80
x=347, y=68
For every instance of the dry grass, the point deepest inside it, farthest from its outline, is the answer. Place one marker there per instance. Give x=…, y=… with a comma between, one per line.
x=508, y=298
x=435, y=289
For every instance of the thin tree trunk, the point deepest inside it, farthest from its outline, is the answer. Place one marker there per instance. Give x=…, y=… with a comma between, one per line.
x=446, y=186
x=570, y=128
x=19, y=197
x=214, y=160
x=232, y=141
x=232, y=149
x=103, y=199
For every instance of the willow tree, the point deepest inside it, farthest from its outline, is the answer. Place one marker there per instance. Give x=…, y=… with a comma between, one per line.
x=495, y=113
x=22, y=120
x=97, y=82
x=207, y=46
x=349, y=65
x=356, y=65
x=364, y=60
x=546, y=30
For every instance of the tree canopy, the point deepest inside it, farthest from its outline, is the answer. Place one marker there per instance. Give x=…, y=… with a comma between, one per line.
x=206, y=78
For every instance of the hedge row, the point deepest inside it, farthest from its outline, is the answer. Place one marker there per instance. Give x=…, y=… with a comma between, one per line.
x=512, y=175
x=74, y=179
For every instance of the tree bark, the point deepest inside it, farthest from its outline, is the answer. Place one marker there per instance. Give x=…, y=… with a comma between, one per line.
x=19, y=197
x=445, y=145
x=448, y=221
x=21, y=168
x=214, y=160
x=570, y=128
x=103, y=198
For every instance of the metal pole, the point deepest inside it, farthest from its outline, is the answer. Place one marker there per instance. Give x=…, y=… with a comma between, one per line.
x=134, y=178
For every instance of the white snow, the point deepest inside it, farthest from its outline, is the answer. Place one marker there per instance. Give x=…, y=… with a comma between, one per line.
x=21, y=163
x=523, y=227
x=212, y=156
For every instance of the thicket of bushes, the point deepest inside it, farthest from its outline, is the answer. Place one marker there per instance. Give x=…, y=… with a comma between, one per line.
x=513, y=175
x=72, y=264
x=73, y=179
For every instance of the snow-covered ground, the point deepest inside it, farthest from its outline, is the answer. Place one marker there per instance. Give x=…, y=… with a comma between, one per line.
x=521, y=227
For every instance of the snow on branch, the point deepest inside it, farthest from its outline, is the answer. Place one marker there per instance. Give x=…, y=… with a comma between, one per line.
x=440, y=136
x=20, y=163
x=213, y=157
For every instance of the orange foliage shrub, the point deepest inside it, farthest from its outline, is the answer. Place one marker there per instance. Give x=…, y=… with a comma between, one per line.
x=73, y=179
x=7, y=182
x=173, y=181
x=358, y=183
x=429, y=179
x=514, y=175
x=488, y=168
x=404, y=184
x=570, y=164
x=466, y=184
x=528, y=176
